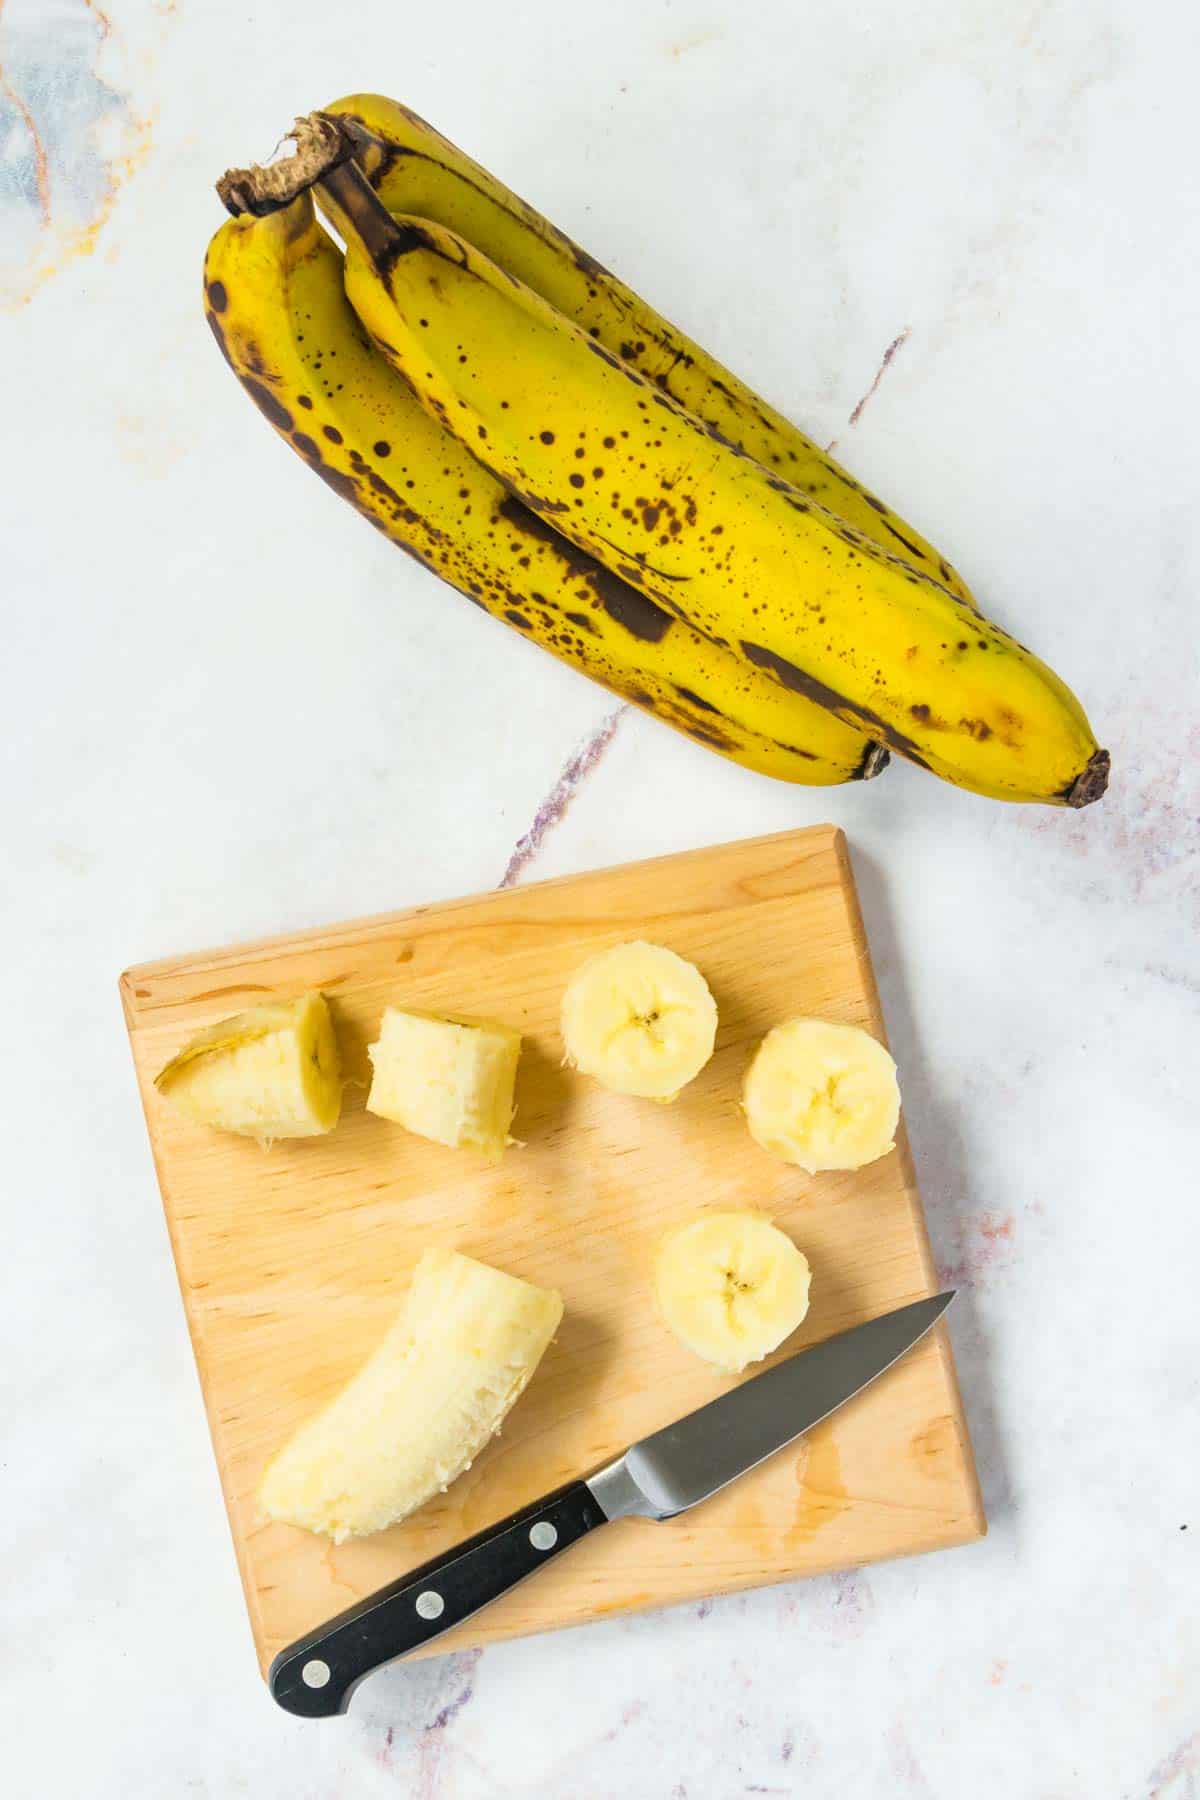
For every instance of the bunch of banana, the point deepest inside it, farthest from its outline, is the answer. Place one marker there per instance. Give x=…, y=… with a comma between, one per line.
x=276, y=304
x=725, y=522
x=415, y=170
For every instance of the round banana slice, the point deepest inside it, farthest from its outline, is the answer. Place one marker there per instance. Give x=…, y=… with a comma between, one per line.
x=640, y=1019
x=822, y=1096
x=731, y=1287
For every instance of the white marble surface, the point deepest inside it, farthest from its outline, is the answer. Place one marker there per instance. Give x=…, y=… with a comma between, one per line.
x=197, y=749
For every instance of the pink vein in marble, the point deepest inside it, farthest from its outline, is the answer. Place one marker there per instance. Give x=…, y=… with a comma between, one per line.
x=1177, y=1777
x=898, y=342
x=984, y=1247
x=555, y=806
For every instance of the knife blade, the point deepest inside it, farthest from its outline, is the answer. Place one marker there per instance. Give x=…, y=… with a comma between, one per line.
x=657, y=1478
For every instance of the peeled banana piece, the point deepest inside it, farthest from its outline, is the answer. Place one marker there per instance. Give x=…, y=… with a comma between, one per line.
x=276, y=305
x=448, y=1079
x=271, y=1072
x=421, y=1408
x=415, y=170
x=822, y=1096
x=739, y=554
x=732, y=1287
x=640, y=1020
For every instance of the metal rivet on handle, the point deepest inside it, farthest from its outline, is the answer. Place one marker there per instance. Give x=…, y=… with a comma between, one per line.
x=543, y=1536
x=430, y=1605
x=315, y=1673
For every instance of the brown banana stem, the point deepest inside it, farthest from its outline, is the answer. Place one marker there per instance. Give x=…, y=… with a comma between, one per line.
x=345, y=189
x=321, y=144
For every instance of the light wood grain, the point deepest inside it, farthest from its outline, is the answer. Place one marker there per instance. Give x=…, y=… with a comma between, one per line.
x=292, y=1263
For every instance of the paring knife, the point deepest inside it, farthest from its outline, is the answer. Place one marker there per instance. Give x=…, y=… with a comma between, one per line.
x=661, y=1476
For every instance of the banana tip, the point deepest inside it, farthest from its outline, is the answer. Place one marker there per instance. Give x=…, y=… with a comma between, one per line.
x=1091, y=783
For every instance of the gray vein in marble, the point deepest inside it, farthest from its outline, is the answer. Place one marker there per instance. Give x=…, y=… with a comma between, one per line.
x=1170, y=977
x=31, y=178
x=853, y=1603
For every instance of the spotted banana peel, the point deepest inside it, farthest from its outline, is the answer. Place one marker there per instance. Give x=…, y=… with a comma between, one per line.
x=275, y=301
x=416, y=171
x=710, y=535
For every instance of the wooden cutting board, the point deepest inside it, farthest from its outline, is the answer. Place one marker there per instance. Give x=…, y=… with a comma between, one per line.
x=292, y=1262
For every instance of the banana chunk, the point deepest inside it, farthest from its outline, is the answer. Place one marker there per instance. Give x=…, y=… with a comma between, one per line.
x=731, y=1286
x=421, y=1408
x=640, y=1020
x=448, y=1079
x=271, y=1072
x=822, y=1096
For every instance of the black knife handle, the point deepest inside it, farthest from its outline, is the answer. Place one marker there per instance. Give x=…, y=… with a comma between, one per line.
x=316, y=1675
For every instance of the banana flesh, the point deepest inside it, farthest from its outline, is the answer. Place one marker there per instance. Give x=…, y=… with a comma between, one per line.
x=701, y=529
x=275, y=301
x=419, y=1411
x=732, y=1287
x=268, y=1073
x=448, y=1079
x=640, y=1020
x=822, y=1096
x=415, y=170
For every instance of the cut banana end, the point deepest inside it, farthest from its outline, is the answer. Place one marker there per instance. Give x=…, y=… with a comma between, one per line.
x=822, y=1096
x=640, y=1020
x=448, y=1079
x=271, y=1072
x=421, y=1408
x=731, y=1286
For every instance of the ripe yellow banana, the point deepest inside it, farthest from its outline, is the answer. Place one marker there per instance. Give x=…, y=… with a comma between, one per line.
x=275, y=301
x=415, y=170
x=422, y=1407
x=699, y=527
